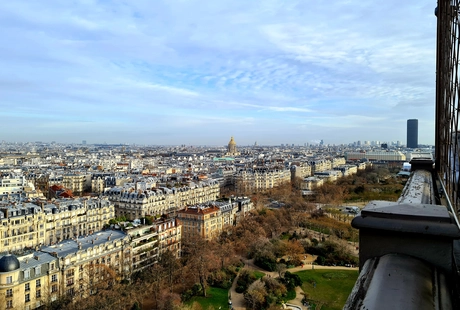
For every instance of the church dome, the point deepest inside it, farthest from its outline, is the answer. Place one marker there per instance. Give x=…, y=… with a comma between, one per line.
x=232, y=142
x=9, y=263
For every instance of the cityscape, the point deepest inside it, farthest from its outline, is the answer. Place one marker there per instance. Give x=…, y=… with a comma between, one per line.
x=66, y=209
x=204, y=155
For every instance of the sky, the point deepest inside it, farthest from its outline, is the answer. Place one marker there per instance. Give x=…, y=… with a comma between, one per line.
x=198, y=72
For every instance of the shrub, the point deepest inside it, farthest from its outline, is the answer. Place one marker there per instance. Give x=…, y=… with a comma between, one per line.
x=291, y=280
x=265, y=263
x=240, y=289
x=245, y=279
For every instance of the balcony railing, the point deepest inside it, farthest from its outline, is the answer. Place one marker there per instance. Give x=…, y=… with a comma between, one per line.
x=407, y=253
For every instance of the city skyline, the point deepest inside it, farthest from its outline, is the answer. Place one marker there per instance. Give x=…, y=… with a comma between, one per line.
x=165, y=73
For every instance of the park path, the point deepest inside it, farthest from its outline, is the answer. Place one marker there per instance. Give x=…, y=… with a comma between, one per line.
x=238, y=299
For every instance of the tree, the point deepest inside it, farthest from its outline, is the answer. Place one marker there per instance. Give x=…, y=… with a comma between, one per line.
x=281, y=269
x=294, y=248
x=225, y=252
x=199, y=259
x=169, y=264
x=274, y=287
x=255, y=295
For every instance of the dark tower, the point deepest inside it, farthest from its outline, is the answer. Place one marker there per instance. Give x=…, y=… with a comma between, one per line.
x=412, y=133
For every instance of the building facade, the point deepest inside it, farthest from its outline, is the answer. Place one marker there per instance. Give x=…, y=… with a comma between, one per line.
x=260, y=179
x=29, y=281
x=148, y=242
x=135, y=204
x=412, y=133
x=204, y=221
x=27, y=225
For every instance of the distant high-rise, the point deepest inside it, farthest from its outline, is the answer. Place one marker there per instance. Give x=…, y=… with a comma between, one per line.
x=412, y=133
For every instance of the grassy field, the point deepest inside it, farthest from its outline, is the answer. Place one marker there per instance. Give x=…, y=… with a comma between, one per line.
x=258, y=274
x=217, y=297
x=332, y=286
x=291, y=294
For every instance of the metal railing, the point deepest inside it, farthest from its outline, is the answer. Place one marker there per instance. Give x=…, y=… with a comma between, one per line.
x=407, y=254
x=447, y=100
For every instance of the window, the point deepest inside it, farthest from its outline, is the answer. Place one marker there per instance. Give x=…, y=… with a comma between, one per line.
x=70, y=273
x=27, y=287
x=9, y=304
x=9, y=279
x=26, y=273
x=27, y=297
x=54, y=288
x=70, y=291
x=54, y=278
x=39, y=293
x=9, y=292
x=38, y=283
x=38, y=270
x=52, y=266
x=69, y=281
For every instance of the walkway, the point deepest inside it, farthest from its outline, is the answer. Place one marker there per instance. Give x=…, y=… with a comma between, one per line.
x=238, y=299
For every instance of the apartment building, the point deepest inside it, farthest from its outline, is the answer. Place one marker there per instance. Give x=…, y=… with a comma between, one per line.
x=22, y=226
x=29, y=281
x=347, y=169
x=13, y=184
x=320, y=165
x=87, y=263
x=76, y=182
x=210, y=219
x=310, y=183
x=101, y=181
x=148, y=242
x=70, y=218
x=136, y=204
x=377, y=156
x=201, y=220
x=26, y=225
x=300, y=170
x=338, y=161
x=252, y=180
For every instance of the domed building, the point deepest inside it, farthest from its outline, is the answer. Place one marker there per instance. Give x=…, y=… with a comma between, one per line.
x=26, y=279
x=9, y=263
x=231, y=149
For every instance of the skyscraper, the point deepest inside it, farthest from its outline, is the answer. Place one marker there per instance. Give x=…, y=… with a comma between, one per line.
x=412, y=133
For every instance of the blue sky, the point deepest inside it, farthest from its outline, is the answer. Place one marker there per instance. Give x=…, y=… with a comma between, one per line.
x=198, y=72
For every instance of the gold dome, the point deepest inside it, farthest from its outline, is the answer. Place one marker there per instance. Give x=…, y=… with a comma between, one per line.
x=232, y=142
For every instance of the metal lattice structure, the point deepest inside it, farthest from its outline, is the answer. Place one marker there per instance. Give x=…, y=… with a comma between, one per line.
x=447, y=99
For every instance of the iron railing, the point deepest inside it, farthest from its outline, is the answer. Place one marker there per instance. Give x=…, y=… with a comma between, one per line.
x=447, y=100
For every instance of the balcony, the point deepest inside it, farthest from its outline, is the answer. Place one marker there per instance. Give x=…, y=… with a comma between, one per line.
x=408, y=249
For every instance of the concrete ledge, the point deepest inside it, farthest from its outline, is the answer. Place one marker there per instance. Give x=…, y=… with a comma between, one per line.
x=396, y=281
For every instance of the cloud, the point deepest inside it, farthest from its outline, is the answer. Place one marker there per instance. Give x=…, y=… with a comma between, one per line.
x=245, y=65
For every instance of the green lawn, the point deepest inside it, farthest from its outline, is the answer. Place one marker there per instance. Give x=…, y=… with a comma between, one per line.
x=258, y=274
x=291, y=294
x=215, y=297
x=332, y=286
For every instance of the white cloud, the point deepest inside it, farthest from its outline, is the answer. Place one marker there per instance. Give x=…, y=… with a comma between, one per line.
x=238, y=63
